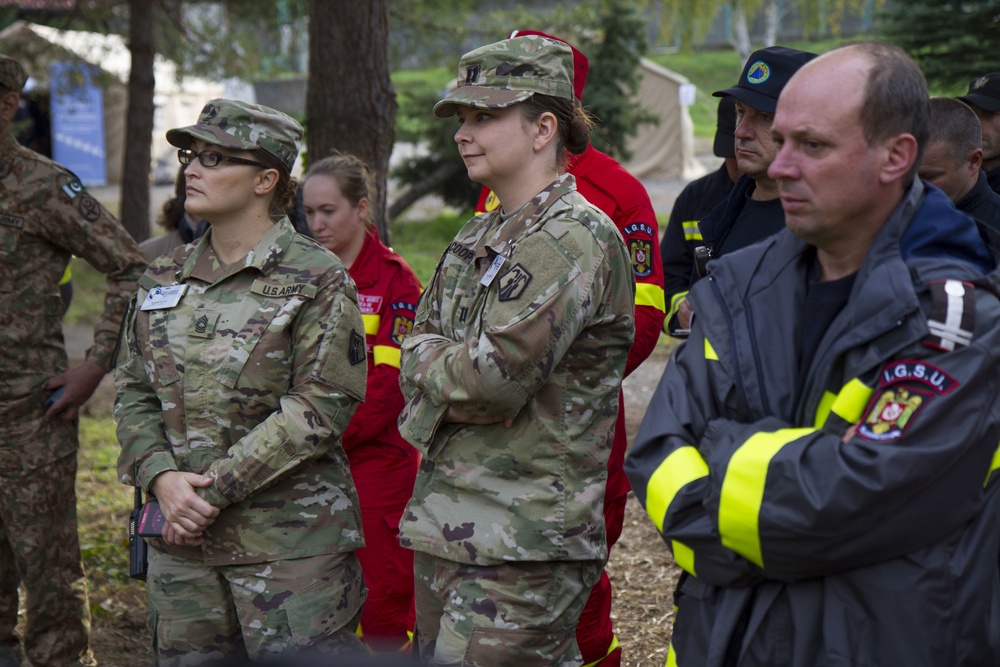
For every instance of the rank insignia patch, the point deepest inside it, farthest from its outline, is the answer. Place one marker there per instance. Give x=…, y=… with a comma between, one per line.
x=356, y=348
x=514, y=282
x=642, y=261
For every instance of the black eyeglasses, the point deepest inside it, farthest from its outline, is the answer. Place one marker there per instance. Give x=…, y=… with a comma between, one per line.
x=212, y=158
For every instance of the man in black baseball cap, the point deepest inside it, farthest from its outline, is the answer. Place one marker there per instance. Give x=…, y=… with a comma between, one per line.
x=984, y=98
x=752, y=211
x=694, y=203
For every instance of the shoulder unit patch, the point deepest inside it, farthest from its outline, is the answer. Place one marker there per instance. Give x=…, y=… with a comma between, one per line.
x=907, y=386
x=514, y=282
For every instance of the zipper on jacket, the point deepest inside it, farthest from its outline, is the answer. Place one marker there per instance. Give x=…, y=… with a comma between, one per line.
x=756, y=358
x=737, y=377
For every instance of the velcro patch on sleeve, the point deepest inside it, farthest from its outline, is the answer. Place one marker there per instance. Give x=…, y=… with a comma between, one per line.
x=906, y=387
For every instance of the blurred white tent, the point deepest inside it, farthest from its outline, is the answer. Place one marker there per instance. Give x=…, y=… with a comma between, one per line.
x=177, y=102
x=665, y=150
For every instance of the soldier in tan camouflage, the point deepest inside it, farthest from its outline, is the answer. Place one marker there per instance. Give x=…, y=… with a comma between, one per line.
x=240, y=366
x=46, y=216
x=511, y=377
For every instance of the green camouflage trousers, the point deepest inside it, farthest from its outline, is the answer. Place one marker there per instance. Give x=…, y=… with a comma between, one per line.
x=261, y=611
x=39, y=544
x=522, y=613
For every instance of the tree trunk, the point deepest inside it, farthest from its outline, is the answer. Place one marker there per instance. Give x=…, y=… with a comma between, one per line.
x=772, y=19
x=134, y=212
x=350, y=102
x=741, y=35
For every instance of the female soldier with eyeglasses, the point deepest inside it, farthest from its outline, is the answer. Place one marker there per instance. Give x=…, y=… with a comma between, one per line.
x=239, y=368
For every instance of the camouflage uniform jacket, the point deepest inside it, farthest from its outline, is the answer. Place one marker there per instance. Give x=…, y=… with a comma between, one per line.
x=251, y=378
x=542, y=339
x=46, y=216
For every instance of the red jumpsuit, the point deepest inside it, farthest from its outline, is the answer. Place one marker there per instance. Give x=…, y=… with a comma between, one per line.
x=608, y=186
x=383, y=465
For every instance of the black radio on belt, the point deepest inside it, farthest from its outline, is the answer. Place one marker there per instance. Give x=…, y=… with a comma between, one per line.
x=702, y=254
x=137, y=548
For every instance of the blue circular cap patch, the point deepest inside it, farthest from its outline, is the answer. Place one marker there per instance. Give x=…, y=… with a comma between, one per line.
x=759, y=72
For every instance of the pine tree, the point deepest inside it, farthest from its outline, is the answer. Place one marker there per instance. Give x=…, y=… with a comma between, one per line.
x=952, y=41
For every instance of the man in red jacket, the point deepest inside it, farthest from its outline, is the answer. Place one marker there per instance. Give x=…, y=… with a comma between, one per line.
x=608, y=186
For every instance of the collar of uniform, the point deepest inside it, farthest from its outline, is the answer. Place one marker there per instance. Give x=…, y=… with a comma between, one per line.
x=8, y=147
x=975, y=194
x=531, y=214
x=265, y=256
x=364, y=271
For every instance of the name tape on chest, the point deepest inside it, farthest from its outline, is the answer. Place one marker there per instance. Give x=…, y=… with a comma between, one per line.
x=12, y=221
x=279, y=290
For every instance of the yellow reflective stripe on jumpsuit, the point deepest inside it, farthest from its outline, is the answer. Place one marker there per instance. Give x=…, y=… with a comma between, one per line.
x=372, y=323
x=650, y=294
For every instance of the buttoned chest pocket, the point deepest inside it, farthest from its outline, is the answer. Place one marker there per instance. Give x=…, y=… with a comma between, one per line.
x=253, y=350
x=462, y=301
x=8, y=240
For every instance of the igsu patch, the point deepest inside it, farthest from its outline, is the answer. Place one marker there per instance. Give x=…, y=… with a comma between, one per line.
x=639, y=238
x=907, y=387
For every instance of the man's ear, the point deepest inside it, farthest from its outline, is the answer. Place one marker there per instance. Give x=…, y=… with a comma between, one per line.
x=900, y=156
x=974, y=160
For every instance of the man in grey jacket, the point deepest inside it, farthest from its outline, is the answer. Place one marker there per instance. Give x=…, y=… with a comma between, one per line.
x=820, y=454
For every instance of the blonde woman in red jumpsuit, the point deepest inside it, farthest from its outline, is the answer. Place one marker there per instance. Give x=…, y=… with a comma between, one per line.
x=337, y=200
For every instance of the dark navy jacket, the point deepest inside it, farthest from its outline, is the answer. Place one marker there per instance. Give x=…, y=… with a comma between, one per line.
x=850, y=520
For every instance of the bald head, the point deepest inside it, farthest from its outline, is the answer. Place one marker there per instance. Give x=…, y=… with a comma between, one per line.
x=847, y=148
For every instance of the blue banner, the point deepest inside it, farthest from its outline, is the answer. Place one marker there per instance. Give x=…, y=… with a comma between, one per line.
x=78, y=121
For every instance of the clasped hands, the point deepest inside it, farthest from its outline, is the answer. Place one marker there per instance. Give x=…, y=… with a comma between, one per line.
x=187, y=513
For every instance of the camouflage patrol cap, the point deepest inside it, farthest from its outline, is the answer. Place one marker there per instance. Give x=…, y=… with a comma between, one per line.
x=243, y=126
x=12, y=75
x=505, y=73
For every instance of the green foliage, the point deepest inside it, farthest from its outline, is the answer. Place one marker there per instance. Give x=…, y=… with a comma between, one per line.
x=684, y=21
x=952, y=41
x=421, y=242
x=615, y=77
x=103, y=505
x=89, y=288
x=251, y=40
x=427, y=32
x=436, y=144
